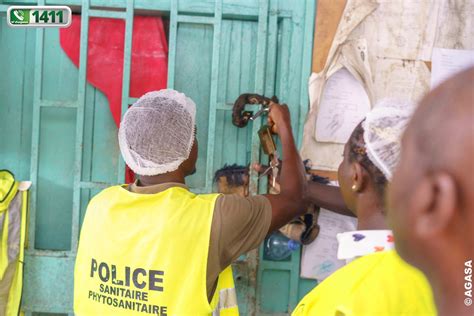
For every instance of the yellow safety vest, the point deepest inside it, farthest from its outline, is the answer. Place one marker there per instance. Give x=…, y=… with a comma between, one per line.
x=13, y=213
x=146, y=254
x=379, y=284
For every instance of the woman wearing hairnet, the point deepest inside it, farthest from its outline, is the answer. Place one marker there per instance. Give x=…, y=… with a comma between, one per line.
x=375, y=281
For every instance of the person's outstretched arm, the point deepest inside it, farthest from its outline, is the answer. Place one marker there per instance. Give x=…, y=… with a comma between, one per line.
x=322, y=195
x=328, y=197
x=290, y=202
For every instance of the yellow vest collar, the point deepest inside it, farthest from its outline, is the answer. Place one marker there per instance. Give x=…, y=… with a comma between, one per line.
x=8, y=188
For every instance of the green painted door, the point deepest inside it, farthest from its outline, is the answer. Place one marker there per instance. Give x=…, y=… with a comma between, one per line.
x=64, y=138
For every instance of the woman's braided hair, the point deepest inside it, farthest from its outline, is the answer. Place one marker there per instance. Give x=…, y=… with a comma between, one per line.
x=357, y=152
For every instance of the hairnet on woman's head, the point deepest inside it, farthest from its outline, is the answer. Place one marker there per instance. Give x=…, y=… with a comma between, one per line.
x=383, y=129
x=157, y=133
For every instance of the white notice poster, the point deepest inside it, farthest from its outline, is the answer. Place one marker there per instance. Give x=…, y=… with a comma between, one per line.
x=344, y=103
x=319, y=259
x=447, y=62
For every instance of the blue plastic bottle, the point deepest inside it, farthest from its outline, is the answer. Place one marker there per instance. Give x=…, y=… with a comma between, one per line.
x=278, y=247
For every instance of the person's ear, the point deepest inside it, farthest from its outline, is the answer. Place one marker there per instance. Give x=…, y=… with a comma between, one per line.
x=434, y=204
x=357, y=178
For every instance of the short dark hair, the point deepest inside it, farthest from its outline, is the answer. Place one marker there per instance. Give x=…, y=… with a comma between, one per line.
x=233, y=173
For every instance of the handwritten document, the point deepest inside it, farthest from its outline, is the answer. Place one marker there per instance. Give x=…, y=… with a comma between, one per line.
x=328, y=155
x=344, y=104
x=319, y=259
x=447, y=62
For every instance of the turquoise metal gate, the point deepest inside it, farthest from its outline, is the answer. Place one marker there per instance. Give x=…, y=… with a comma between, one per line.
x=217, y=50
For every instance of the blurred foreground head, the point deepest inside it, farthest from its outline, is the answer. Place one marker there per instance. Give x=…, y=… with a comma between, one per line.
x=432, y=194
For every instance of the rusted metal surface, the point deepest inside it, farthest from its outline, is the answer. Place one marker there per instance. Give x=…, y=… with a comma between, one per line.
x=240, y=117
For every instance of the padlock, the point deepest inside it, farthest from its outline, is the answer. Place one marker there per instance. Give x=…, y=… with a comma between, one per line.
x=266, y=140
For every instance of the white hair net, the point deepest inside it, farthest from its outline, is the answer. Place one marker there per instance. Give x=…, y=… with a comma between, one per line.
x=157, y=133
x=383, y=129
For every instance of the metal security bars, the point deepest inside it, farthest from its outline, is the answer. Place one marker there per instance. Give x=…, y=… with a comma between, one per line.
x=216, y=21
x=86, y=13
x=282, y=34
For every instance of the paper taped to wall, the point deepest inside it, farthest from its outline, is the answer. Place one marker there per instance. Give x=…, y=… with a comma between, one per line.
x=319, y=259
x=447, y=62
x=353, y=56
x=344, y=103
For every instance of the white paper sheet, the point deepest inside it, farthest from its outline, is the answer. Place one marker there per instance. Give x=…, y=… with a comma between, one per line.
x=344, y=103
x=448, y=62
x=319, y=259
x=344, y=52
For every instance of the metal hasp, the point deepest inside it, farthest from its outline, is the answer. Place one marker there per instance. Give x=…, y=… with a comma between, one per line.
x=240, y=117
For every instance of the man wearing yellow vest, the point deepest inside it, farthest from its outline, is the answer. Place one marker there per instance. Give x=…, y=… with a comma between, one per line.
x=154, y=247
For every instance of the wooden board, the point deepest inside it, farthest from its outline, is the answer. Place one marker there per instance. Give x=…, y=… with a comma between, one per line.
x=327, y=19
x=328, y=15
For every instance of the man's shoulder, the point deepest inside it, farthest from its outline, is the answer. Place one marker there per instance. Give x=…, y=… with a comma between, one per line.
x=209, y=196
x=236, y=199
x=234, y=208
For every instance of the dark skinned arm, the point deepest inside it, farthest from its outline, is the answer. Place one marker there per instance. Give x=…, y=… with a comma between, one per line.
x=290, y=202
x=328, y=197
x=322, y=195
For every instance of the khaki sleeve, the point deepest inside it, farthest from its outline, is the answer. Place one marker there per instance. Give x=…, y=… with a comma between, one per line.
x=239, y=224
x=242, y=222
